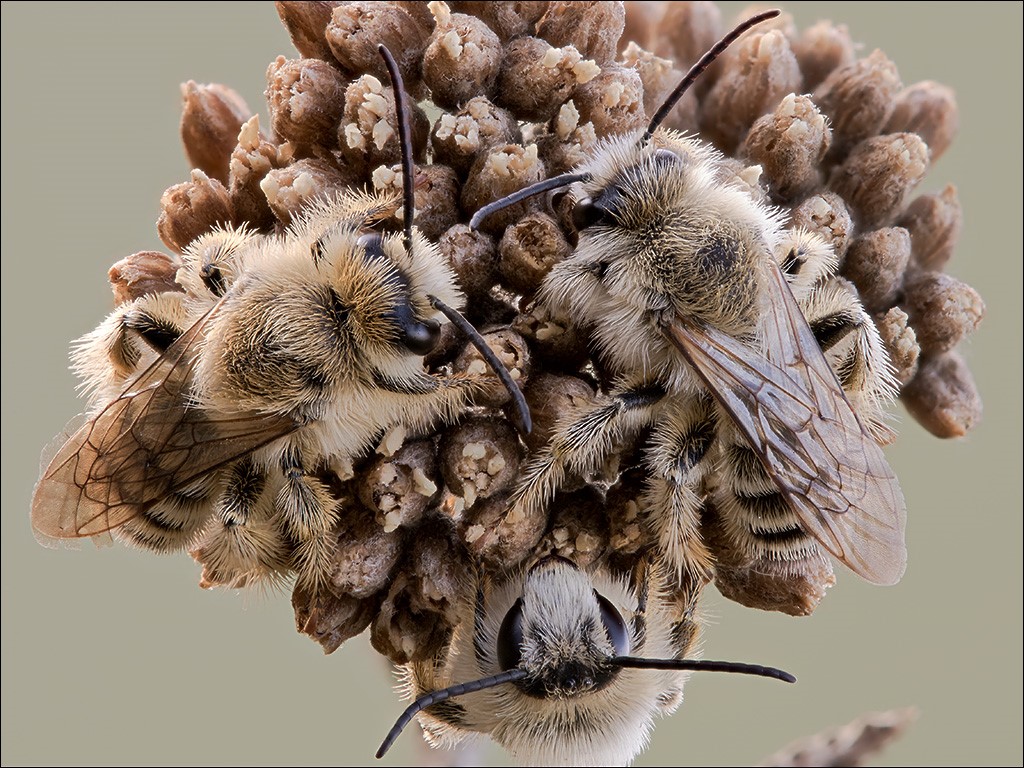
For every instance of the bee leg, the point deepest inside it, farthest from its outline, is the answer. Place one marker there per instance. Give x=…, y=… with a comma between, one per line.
x=680, y=445
x=682, y=602
x=243, y=544
x=806, y=259
x=583, y=440
x=308, y=514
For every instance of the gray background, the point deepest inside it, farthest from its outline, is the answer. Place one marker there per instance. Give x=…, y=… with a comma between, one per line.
x=116, y=657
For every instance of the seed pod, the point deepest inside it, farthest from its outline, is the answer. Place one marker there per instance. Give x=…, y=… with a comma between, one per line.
x=821, y=49
x=462, y=59
x=506, y=20
x=942, y=310
x=402, y=630
x=305, y=98
x=929, y=110
x=554, y=340
x=613, y=100
x=191, y=209
x=511, y=351
x=290, y=189
x=900, y=343
x=211, y=117
x=400, y=487
x=528, y=250
x=501, y=171
x=536, y=78
x=251, y=160
x=498, y=537
x=943, y=397
x=878, y=174
x=142, y=273
x=858, y=98
x=368, y=133
x=875, y=263
x=593, y=28
x=306, y=23
x=934, y=223
x=826, y=215
x=659, y=77
x=435, y=193
x=459, y=137
x=330, y=620
x=480, y=458
x=579, y=527
x=472, y=255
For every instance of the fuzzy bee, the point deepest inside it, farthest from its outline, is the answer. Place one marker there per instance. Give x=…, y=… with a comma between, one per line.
x=219, y=411
x=564, y=665
x=713, y=318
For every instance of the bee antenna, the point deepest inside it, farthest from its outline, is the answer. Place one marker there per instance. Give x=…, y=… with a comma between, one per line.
x=405, y=140
x=698, y=665
x=429, y=699
x=523, y=420
x=555, y=182
x=702, y=64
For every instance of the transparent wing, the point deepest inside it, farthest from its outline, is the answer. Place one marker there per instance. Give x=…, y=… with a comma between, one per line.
x=142, y=446
x=797, y=419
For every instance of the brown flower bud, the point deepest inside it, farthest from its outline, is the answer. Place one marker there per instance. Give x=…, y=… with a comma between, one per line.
x=875, y=263
x=826, y=215
x=368, y=134
x=511, y=350
x=252, y=159
x=789, y=144
x=330, y=620
x=900, y=343
x=143, y=273
x=506, y=20
x=480, y=458
x=858, y=98
x=458, y=137
x=929, y=110
x=821, y=49
x=552, y=397
x=554, y=340
x=499, y=537
x=501, y=171
x=613, y=100
x=659, y=77
x=211, y=117
x=942, y=310
x=536, y=78
x=306, y=23
x=593, y=28
x=579, y=527
x=685, y=32
x=402, y=630
x=627, y=531
x=878, y=174
x=435, y=195
x=439, y=564
x=290, y=189
x=305, y=98
x=462, y=59
x=528, y=250
x=400, y=487
x=357, y=28
x=569, y=144
x=756, y=74
x=191, y=209
x=472, y=256
x=943, y=396
x=934, y=223
x=366, y=555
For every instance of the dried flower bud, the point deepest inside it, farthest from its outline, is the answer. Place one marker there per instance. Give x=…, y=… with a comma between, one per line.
x=306, y=23
x=569, y=144
x=929, y=110
x=439, y=563
x=512, y=352
x=875, y=263
x=462, y=59
x=289, y=189
x=211, y=117
x=357, y=28
x=821, y=49
x=501, y=538
x=755, y=76
x=457, y=138
x=480, y=458
x=305, y=98
x=858, y=98
x=627, y=531
x=659, y=77
x=368, y=133
x=400, y=487
x=471, y=254
x=943, y=396
x=879, y=173
x=593, y=28
x=579, y=527
x=143, y=273
x=536, y=79
x=191, y=209
x=252, y=159
x=900, y=343
x=934, y=223
x=790, y=144
x=942, y=310
x=554, y=340
x=685, y=32
x=826, y=215
x=552, y=397
x=501, y=171
x=613, y=100
x=403, y=631
x=330, y=620
x=436, y=195
x=506, y=20
x=366, y=555
x=528, y=250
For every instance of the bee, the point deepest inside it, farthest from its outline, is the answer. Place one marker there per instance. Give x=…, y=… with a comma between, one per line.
x=564, y=665
x=713, y=318
x=219, y=410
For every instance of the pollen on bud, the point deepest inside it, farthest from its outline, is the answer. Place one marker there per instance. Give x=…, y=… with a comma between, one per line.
x=457, y=138
x=826, y=214
x=500, y=172
x=290, y=189
x=480, y=458
x=537, y=78
x=900, y=342
x=368, y=132
x=462, y=59
x=251, y=160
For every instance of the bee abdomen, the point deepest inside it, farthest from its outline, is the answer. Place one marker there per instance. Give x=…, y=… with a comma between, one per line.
x=169, y=525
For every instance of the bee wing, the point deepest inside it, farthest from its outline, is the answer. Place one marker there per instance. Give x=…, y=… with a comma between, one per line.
x=796, y=417
x=144, y=445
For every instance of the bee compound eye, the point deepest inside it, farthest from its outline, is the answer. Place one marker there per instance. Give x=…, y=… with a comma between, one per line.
x=372, y=244
x=421, y=336
x=587, y=213
x=614, y=625
x=666, y=157
x=510, y=637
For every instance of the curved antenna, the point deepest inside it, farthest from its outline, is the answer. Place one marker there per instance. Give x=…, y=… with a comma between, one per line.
x=554, y=182
x=428, y=699
x=698, y=69
x=523, y=420
x=698, y=665
x=405, y=140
